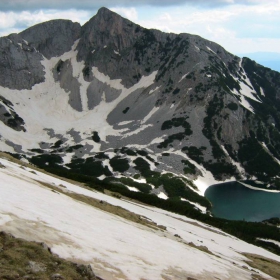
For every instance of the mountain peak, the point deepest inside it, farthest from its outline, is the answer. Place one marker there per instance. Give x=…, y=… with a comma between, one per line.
x=106, y=17
x=107, y=28
x=104, y=11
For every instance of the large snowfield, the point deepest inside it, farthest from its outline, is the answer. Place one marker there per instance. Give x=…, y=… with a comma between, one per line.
x=116, y=248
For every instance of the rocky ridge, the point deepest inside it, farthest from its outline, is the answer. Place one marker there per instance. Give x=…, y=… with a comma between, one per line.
x=113, y=98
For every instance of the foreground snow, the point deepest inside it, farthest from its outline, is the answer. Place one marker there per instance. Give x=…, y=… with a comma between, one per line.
x=115, y=247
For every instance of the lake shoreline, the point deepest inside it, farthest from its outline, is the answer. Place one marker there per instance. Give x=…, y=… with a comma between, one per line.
x=257, y=189
x=239, y=201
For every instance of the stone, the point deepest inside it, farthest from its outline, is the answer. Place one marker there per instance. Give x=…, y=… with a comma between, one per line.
x=36, y=267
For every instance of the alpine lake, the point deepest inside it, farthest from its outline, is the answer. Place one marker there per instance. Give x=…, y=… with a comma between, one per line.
x=234, y=201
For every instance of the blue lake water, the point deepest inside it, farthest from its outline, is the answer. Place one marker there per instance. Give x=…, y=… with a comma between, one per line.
x=234, y=201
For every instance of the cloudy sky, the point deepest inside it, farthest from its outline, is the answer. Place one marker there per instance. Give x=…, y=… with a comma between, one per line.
x=241, y=26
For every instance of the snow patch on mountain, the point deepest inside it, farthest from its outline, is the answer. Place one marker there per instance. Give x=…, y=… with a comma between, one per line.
x=183, y=77
x=154, y=90
x=46, y=105
x=125, y=123
x=162, y=195
x=237, y=164
x=152, y=112
x=243, y=101
x=198, y=206
x=246, y=87
x=209, y=49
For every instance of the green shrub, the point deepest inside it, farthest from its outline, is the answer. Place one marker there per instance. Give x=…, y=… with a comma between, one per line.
x=176, y=91
x=57, y=144
x=119, y=164
x=96, y=137
x=89, y=167
x=194, y=153
x=127, y=151
x=142, y=153
x=125, y=110
x=50, y=160
x=232, y=106
x=142, y=166
x=256, y=160
x=72, y=148
x=170, y=139
x=101, y=155
x=189, y=167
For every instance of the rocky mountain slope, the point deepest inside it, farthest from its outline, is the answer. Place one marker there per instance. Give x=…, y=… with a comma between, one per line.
x=113, y=99
x=108, y=237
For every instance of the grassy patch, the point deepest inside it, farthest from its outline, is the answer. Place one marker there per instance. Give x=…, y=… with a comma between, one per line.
x=268, y=266
x=22, y=259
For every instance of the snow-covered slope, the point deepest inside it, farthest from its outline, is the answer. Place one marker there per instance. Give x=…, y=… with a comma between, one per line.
x=33, y=208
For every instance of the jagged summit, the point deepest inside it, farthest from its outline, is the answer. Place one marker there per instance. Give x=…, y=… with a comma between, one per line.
x=106, y=13
x=109, y=29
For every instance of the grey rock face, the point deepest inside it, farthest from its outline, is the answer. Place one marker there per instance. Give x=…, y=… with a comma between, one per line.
x=20, y=66
x=21, y=54
x=52, y=38
x=108, y=42
x=97, y=90
x=8, y=115
x=63, y=72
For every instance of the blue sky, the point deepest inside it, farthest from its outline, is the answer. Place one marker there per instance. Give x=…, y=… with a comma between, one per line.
x=240, y=26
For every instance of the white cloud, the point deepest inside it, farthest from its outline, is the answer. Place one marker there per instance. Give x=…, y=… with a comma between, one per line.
x=129, y=13
x=166, y=16
x=20, y=5
x=237, y=27
x=7, y=20
x=12, y=22
x=248, y=45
